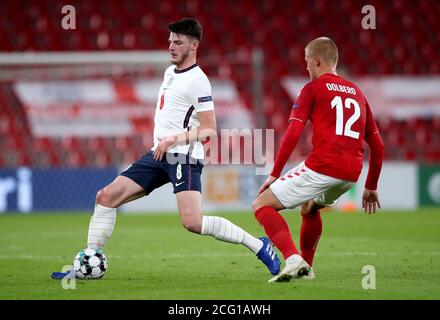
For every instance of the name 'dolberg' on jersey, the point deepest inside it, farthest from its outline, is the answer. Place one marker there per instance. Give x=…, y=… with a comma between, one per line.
x=340, y=88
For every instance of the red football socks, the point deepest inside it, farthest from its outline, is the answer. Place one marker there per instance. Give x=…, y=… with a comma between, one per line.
x=311, y=229
x=277, y=230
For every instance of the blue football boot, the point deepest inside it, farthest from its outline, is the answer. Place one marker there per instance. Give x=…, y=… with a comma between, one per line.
x=269, y=257
x=59, y=275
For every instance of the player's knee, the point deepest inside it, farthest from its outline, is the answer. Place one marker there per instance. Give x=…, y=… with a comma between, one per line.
x=305, y=209
x=310, y=208
x=99, y=196
x=106, y=197
x=256, y=205
x=102, y=198
x=192, y=225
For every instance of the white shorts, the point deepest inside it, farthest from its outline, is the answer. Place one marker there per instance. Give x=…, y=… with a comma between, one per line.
x=302, y=184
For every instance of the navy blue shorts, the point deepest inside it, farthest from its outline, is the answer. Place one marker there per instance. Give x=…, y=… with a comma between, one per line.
x=181, y=170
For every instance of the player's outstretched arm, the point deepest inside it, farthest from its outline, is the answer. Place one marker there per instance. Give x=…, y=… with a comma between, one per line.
x=370, y=198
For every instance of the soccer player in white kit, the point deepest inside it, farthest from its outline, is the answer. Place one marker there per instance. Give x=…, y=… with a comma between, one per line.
x=184, y=117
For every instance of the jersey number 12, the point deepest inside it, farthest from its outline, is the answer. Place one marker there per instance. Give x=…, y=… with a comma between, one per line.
x=340, y=131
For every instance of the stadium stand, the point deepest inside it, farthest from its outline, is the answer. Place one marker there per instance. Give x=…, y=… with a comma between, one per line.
x=281, y=28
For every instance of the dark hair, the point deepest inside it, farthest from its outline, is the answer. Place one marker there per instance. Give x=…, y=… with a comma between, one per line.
x=187, y=26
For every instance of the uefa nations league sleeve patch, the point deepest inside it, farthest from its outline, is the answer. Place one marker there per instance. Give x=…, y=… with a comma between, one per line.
x=204, y=99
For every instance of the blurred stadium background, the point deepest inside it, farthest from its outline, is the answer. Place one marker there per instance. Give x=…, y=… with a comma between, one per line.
x=77, y=105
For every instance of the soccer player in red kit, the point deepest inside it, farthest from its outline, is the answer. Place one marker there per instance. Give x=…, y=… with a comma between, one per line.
x=341, y=119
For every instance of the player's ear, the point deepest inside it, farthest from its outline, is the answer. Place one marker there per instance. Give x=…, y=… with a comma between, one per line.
x=194, y=44
x=317, y=61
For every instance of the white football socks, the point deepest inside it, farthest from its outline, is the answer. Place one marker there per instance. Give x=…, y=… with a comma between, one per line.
x=225, y=230
x=101, y=226
x=103, y=221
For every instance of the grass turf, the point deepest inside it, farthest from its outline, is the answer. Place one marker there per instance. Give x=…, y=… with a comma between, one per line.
x=153, y=257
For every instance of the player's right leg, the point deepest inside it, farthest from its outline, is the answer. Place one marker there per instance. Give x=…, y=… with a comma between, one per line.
x=266, y=208
x=102, y=222
x=108, y=199
x=137, y=180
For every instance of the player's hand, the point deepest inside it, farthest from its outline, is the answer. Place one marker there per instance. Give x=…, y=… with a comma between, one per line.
x=266, y=184
x=370, y=199
x=164, y=144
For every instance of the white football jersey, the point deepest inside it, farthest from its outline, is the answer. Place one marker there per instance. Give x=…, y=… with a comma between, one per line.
x=182, y=94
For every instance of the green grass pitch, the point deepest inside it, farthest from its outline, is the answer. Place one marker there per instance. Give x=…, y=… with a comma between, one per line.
x=153, y=257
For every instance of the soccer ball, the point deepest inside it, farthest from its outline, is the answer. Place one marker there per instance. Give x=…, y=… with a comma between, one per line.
x=90, y=264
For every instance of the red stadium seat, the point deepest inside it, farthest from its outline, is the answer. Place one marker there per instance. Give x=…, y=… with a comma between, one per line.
x=280, y=28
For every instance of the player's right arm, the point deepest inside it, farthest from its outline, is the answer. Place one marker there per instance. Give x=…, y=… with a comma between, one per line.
x=298, y=118
x=290, y=139
x=370, y=197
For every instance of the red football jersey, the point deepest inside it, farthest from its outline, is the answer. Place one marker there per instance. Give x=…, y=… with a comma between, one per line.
x=341, y=118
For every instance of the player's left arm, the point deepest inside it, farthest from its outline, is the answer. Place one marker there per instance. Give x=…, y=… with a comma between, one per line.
x=370, y=197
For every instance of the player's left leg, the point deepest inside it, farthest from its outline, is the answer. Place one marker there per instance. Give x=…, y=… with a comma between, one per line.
x=311, y=225
x=189, y=204
x=311, y=230
x=185, y=176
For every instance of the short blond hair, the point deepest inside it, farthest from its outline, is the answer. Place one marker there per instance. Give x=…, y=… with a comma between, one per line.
x=325, y=49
